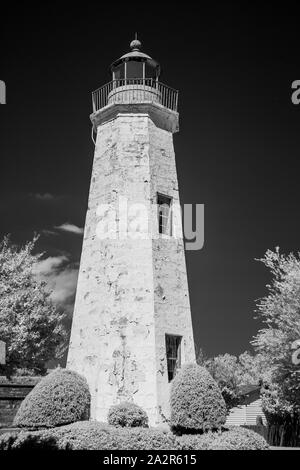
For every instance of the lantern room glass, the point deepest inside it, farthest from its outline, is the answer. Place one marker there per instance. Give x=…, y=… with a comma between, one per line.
x=119, y=72
x=135, y=71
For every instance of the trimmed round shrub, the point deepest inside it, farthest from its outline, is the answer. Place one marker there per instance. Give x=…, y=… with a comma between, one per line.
x=237, y=438
x=62, y=397
x=196, y=401
x=127, y=415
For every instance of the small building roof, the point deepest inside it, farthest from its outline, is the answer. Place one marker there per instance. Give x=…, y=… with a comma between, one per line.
x=246, y=389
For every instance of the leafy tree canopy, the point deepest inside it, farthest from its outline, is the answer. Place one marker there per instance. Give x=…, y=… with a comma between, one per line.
x=30, y=324
x=279, y=311
x=231, y=372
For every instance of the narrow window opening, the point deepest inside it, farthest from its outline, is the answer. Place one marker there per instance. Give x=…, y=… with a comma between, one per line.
x=173, y=351
x=164, y=215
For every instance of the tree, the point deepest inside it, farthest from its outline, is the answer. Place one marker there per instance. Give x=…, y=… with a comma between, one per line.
x=253, y=368
x=279, y=311
x=30, y=324
x=223, y=369
x=231, y=372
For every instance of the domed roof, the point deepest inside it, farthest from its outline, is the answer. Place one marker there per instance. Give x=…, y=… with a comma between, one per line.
x=136, y=47
x=135, y=53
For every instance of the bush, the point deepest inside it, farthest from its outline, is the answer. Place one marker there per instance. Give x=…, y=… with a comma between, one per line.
x=127, y=415
x=62, y=397
x=32, y=440
x=99, y=436
x=237, y=438
x=196, y=401
x=146, y=439
x=7, y=440
x=196, y=441
x=91, y=436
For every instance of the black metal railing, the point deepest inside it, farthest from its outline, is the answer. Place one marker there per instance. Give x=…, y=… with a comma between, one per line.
x=135, y=90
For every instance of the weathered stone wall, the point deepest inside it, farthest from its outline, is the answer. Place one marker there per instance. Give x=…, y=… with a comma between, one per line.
x=130, y=292
x=171, y=294
x=113, y=341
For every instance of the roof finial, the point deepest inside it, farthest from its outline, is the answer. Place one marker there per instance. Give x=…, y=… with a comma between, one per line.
x=135, y=45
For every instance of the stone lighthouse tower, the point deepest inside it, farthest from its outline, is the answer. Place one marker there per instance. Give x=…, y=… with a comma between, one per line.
x=132, y=326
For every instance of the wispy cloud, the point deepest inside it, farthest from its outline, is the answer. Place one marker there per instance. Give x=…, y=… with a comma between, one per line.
x=64, y=287
x=71, y=228
x=60, y=274
x=46, y=266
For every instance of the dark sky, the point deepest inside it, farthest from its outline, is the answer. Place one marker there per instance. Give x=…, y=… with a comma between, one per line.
x=237, y=151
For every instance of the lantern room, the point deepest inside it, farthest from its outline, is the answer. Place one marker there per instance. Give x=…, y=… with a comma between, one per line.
x=135, y=87
x=135, y=67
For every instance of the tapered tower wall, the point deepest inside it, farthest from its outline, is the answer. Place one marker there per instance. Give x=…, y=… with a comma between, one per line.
x=171, y=294
x=131, y=292
x=113, y=338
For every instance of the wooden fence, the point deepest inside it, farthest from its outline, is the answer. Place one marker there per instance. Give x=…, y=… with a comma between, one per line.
x=279, y=435
x=12, y=393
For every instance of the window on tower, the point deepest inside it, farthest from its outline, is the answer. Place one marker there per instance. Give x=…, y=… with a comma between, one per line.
x=119, y=72
x=151, y=71
x=135, y=70
x=173, y=351
x=164, y=204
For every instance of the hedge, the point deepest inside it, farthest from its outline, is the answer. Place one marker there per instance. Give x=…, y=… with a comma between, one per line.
x=237, y=438
x=91, y=436
x=196, y=441
x=196, y=401
x=127, y=415
x=62, y=397
x=99, y=436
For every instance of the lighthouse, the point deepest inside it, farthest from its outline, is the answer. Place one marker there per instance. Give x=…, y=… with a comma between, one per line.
x=132, y=328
